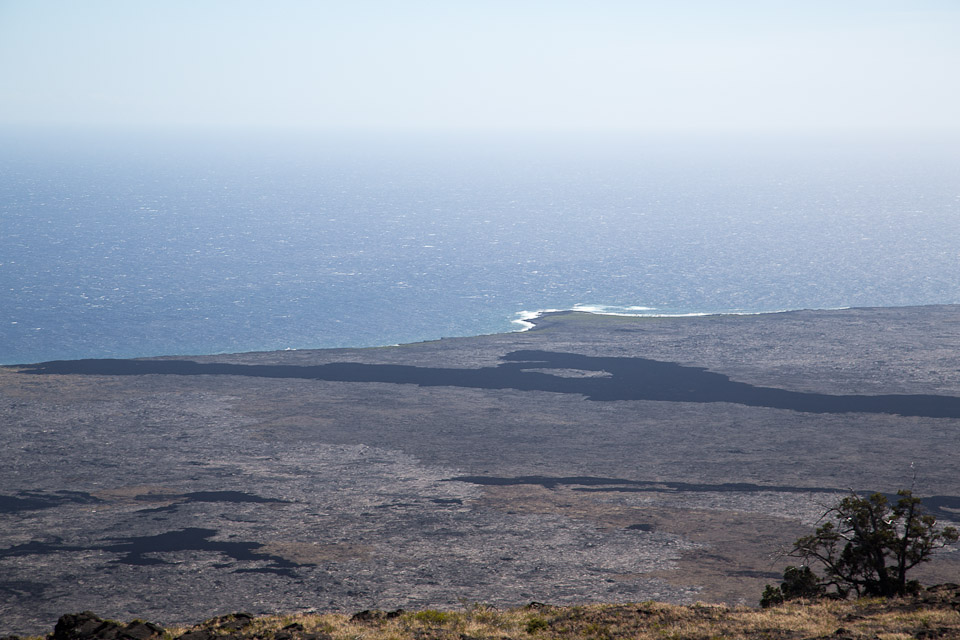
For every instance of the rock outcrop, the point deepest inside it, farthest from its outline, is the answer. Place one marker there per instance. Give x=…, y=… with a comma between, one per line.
x=88, y=626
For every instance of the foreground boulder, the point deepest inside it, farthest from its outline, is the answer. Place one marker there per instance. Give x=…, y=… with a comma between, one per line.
x=223, y=627
x=88, y=626
x=373, y=615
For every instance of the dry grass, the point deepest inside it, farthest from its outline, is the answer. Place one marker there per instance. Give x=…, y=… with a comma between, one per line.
x=870, y=619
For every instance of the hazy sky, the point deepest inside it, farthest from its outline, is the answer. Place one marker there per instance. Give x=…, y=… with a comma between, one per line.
x=686, y=65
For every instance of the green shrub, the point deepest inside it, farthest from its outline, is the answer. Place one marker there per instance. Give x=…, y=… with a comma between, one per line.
x=772, y=596
x=536, y=624
x=433, y=617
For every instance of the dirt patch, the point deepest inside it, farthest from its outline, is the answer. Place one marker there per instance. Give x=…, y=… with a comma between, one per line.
x=314, y=553
x=738, y=551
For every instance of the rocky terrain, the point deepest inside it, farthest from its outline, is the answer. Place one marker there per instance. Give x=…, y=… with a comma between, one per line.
x=593, y=459
x=934, y=613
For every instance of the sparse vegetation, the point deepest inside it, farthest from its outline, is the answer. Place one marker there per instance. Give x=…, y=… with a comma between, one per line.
x=433, y=617
x=536, y=624
x=931, y=614
x=865, y=548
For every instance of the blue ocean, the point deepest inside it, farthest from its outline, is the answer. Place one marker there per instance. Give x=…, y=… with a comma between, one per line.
x=124, y=244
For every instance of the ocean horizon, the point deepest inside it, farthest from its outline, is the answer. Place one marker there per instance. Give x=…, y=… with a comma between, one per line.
x=193, y=243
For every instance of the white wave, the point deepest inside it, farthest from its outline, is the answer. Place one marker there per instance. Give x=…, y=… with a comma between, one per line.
x=525, y=318
x=590, y=308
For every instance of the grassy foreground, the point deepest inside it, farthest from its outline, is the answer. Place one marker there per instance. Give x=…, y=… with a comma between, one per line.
x=643, y=621
x=933, y=614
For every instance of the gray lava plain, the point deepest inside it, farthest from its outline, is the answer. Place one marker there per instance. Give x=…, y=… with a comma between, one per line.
x=591, y=459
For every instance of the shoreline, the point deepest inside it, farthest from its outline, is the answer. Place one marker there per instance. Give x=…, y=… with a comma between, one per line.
x=526, y=320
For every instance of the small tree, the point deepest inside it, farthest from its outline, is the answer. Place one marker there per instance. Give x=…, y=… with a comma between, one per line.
x=798, y=582
x=867, y=546
x=801, y=582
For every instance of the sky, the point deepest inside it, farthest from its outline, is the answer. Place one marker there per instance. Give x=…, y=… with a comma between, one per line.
x=604, y=65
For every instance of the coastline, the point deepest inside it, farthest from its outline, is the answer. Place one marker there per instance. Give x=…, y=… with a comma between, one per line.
x=525, y=319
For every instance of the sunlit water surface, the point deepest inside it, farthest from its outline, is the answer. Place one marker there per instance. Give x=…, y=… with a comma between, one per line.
x=117, y=246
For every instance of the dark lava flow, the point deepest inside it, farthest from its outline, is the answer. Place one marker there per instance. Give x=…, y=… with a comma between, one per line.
x=35, y=500
x=134, y=550
x=626, y=379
